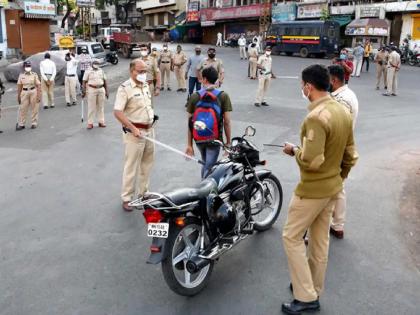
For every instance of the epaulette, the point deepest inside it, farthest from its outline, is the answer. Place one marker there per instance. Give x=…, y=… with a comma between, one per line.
x=125, y=84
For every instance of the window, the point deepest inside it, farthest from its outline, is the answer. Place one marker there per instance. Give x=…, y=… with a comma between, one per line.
x=79, y=49
x=104, y=14
x=97, y=48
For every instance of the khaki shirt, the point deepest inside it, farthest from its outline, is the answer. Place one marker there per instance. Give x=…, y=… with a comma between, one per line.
x=155, y=56
x=180, y=58
x=28, y=80
x=165, y=56
x=265, y=62
x=152, y=68
x=135, y=102
x=215, y=63
x=382, y=58
x=94, y=77
x=394, y=60
x=253, y=53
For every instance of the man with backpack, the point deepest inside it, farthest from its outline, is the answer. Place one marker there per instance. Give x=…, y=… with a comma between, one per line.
x=212, y=107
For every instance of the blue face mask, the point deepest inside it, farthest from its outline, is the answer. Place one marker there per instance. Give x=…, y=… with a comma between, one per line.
x=343, y=57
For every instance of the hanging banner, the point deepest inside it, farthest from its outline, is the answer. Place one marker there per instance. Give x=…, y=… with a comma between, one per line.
x=246, y=11
x=281, y=12
x=38, y=8
x=193, y=14
x=311, y=10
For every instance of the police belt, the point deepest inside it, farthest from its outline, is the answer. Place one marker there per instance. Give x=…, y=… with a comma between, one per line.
x=70, y=75
x=95, y=86
x=28, y=89
x=165, y=62
x=142, y=126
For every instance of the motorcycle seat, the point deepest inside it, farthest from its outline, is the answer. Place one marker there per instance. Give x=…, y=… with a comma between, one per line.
x=186, y=195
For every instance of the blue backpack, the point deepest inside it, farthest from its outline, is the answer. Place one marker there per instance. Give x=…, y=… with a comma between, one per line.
x=208, y=111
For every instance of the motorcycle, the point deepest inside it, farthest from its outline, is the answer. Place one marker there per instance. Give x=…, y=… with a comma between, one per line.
x=192, y=227
x=112, y=57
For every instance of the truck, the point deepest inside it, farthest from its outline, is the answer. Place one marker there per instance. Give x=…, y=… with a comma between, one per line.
x=129, y=41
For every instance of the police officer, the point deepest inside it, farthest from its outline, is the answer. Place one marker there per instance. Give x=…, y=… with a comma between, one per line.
x=94, y=84
x=394, y=65
x=381, y=60
x=70, y=82
x=253, y=59
x=48, y=72
x=29, y=95
x=179, y=60
x=265, y=73
x=166, y=66
x=155, y=54
x=2, y=89
x=133, y=108
x=153, y=73
x=212, y=61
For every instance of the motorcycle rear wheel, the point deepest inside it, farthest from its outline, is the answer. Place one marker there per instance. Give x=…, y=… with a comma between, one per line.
x=271, y=208
x=182, y=243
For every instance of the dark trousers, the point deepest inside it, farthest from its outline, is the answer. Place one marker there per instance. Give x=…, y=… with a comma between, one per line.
x=82, y=72
x=209, y=155
x=193, y=82
x=366, y=59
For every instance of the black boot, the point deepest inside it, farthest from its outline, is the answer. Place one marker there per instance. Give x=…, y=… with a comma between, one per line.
x=297, y=307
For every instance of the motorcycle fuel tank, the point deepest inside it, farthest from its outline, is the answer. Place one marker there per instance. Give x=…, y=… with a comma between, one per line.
x=227, y=175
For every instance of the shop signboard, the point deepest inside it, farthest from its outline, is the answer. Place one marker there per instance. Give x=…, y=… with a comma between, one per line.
x=214, y=14
x=366, y=31
x=85, y=3
x=193, y=14
x=310, y=11
x=281, y=12
x=4, y=3
x=38, y=8
x=65, y=42
x=370, y=12
x=208, y=23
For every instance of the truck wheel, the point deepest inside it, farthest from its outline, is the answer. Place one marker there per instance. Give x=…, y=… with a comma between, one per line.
x=304, y=52
x=126, y=51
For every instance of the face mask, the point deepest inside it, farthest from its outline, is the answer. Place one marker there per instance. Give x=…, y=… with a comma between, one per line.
x=268, y=53
x=141, y=77
x=165, y=48
x=211, y=56
x=143, y=53
x=198, y=52
x=304, y=96
x=343, y=56
x=28, y=69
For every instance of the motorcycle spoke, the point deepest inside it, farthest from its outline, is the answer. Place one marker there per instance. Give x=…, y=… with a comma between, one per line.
x=187, y=275
x=186, y=238
x=182, y=256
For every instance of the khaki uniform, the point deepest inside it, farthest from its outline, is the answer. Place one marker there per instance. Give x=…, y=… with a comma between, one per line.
x=253, y=60
x=394, y=63
x=135, y=102
x=325, y=159
x=95, y=80
x=30, y=83
x=152, y=73
x=264, y=77
x=215, y=63
x=179, y=67
x=381, y=60
x=165, y=61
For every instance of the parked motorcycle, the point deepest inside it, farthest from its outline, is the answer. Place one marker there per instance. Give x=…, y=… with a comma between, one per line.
x=112, y=57
x=192, y=227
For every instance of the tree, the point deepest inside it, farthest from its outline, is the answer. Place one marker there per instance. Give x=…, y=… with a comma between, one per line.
x=325, y=14
x=121, y=7
x=70, y=7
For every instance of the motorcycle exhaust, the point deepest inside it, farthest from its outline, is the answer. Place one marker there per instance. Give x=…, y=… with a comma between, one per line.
x=196, y=263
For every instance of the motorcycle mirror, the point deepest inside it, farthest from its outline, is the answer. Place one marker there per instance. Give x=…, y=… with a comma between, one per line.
x=250, y=131
x=200, y=125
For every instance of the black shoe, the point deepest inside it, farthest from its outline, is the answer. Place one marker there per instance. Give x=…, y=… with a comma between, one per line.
x=45, y=107
x=297, y=307
x=19, y=127
x=161, y=88
x=68, y=104
x=169, y=89
x=291, y=287
x=386, y=94
x=74, y=104
x=264, y=104
x=33, y=126
x=385, y=88
x=393, y=94
x=184, y=90
x=1, y=131
x=257, y=104
x=179, y=90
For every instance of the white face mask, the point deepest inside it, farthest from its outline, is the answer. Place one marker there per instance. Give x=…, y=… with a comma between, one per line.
x=141, y=77
x=304, y=96
x=143, y=53
x=268, y=53
x=28, y=69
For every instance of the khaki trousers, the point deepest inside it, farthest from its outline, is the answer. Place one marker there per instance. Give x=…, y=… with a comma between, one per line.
x=392, y=80
x=152, y=91
x=253, y=67
x=380, y=71
x=138, y=162
x=339, y=212
x=96, y=100
x=28, y=99
x=70, y=84
x=307, y=269
x=47, y=93
x=263, y=84
x=180, y=77
x=242, y=52
x=165, y=70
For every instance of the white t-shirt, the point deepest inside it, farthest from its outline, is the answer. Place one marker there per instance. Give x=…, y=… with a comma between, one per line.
x=346, y=97
x=219, y=35
x=242, y=41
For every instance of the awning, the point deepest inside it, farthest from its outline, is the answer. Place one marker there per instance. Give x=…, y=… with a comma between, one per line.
x=341, y=19
x=161, y=10
x=38, y=16
x=368, y=27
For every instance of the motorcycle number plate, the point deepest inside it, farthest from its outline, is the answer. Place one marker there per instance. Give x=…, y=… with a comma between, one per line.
x=160, y=230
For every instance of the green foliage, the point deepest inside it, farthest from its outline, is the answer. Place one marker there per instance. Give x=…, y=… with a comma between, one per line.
x=325, y=14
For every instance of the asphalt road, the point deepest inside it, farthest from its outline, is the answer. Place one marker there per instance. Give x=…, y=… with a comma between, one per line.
x=66, y=247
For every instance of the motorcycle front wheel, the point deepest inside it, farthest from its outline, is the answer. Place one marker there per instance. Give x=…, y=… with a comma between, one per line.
x=114, y=61
x=182, y=244
x=266, y=204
